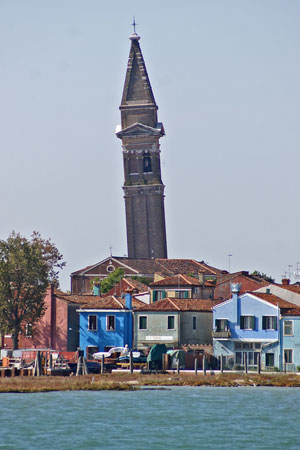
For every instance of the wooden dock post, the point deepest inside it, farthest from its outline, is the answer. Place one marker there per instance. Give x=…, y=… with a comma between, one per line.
x=131, y=362
x=196, y=366
x=221, y=363
x=37, y=372
x=178, y=366
x=204, y=364
x=245, y=363
x=102, y=364
x=259, y=363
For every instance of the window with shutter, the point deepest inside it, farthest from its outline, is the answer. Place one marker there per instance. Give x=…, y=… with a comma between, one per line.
x=242, y=322
x=247, y=322
x=269, y=322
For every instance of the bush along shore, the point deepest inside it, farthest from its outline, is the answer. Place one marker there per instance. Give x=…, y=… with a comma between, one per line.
x=127, y=382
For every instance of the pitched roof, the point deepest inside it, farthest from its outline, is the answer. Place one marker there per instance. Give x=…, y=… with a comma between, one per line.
x=177, y=281
x=176, y=304
x=126, y=283
x=230, y=276
x=112, y=302
x=289, y=287
x=143, y=266
x=285, y=307
x=73, y=298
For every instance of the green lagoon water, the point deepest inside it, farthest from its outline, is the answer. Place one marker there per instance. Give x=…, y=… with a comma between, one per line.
x=179, y=418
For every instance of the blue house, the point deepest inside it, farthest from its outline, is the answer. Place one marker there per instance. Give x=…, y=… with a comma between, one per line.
x=257, y=325
x=105, y=324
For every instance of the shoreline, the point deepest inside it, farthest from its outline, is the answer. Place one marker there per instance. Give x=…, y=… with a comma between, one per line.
x=128, y=382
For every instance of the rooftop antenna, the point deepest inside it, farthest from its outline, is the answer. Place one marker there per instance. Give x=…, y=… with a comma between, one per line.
x=296, y=273
x=229, y=256
x=134, y=24
x=290, y=265
x=110, y=250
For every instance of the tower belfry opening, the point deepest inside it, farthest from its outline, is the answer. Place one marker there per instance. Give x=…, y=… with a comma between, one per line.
x=143, y=188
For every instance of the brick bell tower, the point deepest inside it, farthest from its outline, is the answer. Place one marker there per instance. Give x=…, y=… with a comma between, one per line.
x=143, y=188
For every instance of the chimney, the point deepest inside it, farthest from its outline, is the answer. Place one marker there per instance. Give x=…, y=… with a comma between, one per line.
x=235, y=289
x=97, y=288
x=128, y=298
x=201, y=276
x=285, y=281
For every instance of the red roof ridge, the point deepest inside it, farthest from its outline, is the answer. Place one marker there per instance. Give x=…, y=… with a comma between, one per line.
x=115, y=298
x=176, y=306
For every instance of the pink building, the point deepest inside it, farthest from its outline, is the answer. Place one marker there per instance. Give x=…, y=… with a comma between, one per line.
x=58, y=329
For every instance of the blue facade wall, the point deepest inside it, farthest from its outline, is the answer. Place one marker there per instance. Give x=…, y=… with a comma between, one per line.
x=102, y=337
x=247, y=305
x=290, y=342
x=267, y=340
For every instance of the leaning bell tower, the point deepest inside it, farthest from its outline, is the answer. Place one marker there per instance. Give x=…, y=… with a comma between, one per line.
x=143, y=188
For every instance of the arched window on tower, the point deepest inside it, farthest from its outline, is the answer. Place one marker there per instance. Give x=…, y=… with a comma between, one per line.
x=147, y=163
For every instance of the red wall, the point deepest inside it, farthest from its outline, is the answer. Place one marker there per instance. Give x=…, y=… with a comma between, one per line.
x=52, y=329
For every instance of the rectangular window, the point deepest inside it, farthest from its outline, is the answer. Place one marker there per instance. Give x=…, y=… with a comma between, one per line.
x=247, y=322
x=110, y=323
x=288, y=328
x=143, y=322
x=28, y=330
x=92, y=323
x=238, y=357
x=247, y=345
x=288, y=356
x=269, y=359
x=238, y=346
x=222, y=325
x=269, y=322
x=194, y=323
x=182, y=294
x=159, y=295
x=171, y=322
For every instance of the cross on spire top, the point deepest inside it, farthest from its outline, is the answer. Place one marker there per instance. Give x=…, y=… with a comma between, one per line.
x=134, y=24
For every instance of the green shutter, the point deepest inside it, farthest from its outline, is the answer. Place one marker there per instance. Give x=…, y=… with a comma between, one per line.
x=264, y=324
x=274, y=323
x=163, y=294
x=154, y=296
x=186, y=294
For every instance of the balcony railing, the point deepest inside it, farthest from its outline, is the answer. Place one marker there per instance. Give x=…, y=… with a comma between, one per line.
x=221, y=334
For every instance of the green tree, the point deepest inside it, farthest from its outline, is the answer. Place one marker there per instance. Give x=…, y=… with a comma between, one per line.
x=27, y=266
x=263, y=275
x=112, y=279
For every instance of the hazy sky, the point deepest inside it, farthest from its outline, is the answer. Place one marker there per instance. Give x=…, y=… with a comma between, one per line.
x=226, y=77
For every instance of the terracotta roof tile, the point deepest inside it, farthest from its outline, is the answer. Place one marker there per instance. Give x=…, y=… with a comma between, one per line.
x=289, y=287
x=166, y=266
x=176, y=304
x=112, y=302
x=283, y=304
x=125, y=283
x=177, y=281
